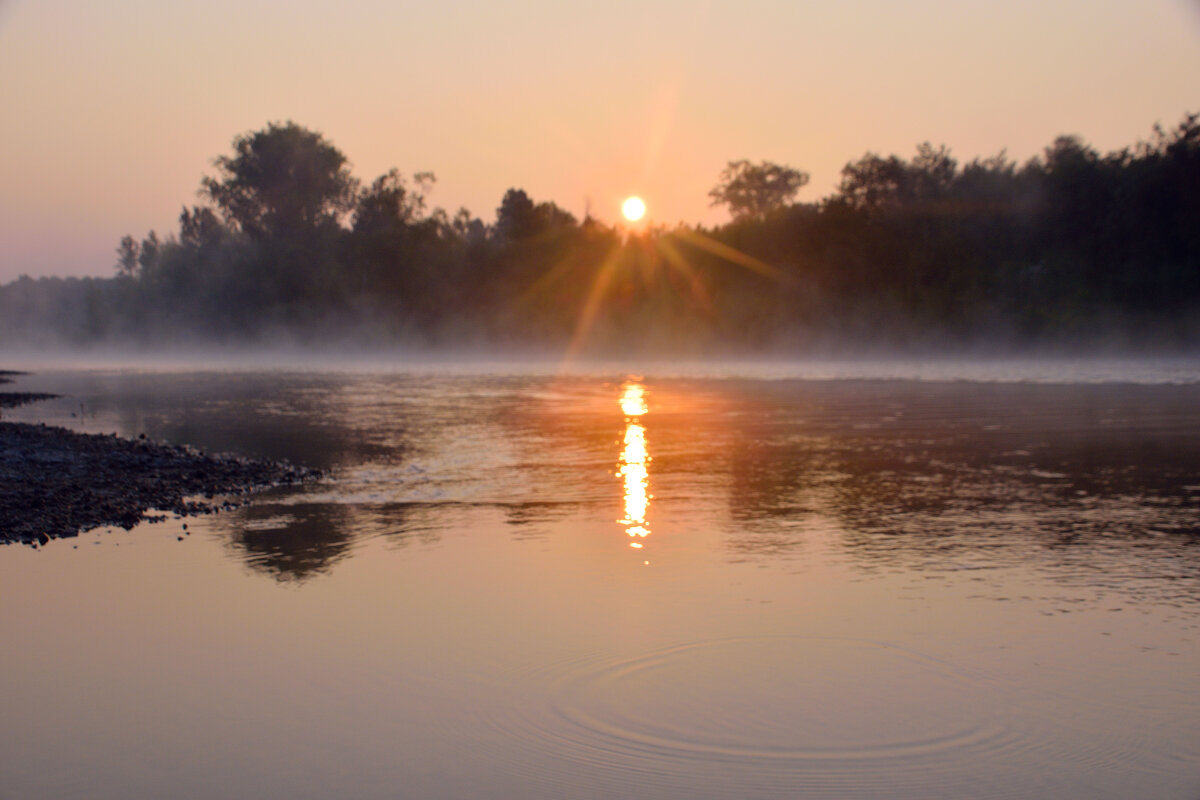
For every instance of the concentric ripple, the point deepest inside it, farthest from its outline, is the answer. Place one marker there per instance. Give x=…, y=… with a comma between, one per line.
x=785, y=713
x=783, y=698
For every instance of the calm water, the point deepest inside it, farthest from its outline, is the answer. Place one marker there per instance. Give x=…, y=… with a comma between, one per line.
x=833, y=580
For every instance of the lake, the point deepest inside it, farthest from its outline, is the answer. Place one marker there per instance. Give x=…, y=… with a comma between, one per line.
x=832, y=579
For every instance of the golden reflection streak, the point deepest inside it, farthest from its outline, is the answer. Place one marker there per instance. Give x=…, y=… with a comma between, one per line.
x=635, y=458
x=633, y=401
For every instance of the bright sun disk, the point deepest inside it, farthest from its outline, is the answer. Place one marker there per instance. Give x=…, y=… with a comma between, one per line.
x=634, y=208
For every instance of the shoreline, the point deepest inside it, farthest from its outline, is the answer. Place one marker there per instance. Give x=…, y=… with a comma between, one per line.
x=62, y=483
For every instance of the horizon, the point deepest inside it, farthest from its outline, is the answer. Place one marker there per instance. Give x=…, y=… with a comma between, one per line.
x=592, y=107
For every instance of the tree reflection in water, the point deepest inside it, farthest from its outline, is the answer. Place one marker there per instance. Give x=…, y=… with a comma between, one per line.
x=917, y=476
x=950, y=476
x=294, y=542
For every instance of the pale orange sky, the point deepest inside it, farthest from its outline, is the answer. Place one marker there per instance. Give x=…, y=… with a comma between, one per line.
x=112, y=112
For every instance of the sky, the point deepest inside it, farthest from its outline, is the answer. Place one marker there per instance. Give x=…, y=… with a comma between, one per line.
x=111, y=113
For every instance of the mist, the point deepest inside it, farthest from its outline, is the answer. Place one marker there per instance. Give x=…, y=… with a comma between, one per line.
x=1073, y=251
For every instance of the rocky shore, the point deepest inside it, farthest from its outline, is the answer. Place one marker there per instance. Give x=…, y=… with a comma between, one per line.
x=56, y=483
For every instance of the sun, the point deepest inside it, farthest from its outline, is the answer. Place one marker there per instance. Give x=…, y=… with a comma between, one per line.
x=634, y=208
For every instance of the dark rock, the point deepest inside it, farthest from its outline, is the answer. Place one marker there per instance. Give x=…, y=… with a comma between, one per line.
x=58, y=482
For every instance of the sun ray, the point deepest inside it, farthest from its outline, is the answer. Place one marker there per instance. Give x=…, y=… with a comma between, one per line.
x=591, y=307
x=730, y=254
x=676, y=262
x=548, y=278
x=641, y=255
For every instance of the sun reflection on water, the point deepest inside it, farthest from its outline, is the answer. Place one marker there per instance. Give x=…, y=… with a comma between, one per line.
x=633, y=464
x=633, y=398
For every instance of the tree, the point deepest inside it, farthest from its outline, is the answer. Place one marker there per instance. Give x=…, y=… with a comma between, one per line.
x=200, y=227
x=932, y=172
x=873, y=182
x=519, y=218
x=390, y=202
x=127, y=256
x=389, y=234
x=751, y=191
x=151, y=253
x=515, y=218
x=281, y=182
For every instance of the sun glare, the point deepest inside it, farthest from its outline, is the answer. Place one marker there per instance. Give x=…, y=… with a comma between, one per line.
x=633, y=466
x=634, y=208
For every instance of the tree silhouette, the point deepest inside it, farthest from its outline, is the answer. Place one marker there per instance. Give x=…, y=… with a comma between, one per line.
x=200, y=227
x=389, y=201
x=873, y=182
x=515, y=218
x=127, y=256
x=932, y=172
x=282, y=181
x=518, y=217
x=150, y=254
x=751, y=191
x=1073, y=245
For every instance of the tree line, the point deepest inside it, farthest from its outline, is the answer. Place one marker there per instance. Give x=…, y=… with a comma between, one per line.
x=1072, y=246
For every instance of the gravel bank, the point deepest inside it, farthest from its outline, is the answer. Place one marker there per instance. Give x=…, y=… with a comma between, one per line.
x=56, y=483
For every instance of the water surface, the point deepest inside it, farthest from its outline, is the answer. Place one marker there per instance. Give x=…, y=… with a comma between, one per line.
x=755, y=581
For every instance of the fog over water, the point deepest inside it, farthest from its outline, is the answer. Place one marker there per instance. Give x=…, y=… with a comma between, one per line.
x=875, y=474
x=872, y=577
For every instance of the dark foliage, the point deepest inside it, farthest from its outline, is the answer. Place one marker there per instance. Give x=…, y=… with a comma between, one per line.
x=1072, y=246
x=755, y=190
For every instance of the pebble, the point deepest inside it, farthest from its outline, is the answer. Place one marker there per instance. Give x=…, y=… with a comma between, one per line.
x=59, y=483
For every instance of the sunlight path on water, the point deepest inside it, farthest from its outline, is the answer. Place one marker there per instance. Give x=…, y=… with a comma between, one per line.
x=634, y=465
x=855, y=588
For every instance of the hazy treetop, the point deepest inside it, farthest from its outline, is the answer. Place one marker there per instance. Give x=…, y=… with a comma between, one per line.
x=569, y=101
